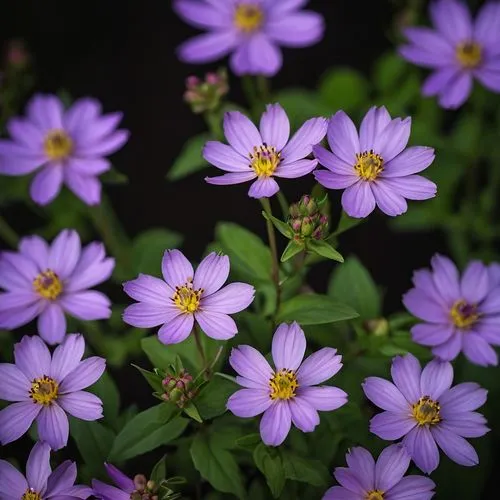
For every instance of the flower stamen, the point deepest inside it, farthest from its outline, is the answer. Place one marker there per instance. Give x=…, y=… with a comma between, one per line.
x=58, y=144
x=48, y=285
x=248, y=17
x=426, y=411
x=265, y=159
x=31, y=494
x=283, y=384
x=44, y=390
x=375, y=495
x=469, y=54
x=186, y=298
x=369, y=165
x=463, y=314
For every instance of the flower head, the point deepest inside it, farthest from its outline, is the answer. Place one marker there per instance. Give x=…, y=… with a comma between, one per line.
x=178, y=388
x=205, y=95
x=374, y=167
x=66, y=146
x=44, y=388
x=250, y=30
x=187, y=296
x=40, y=482
x=264, y=154
x=422, y=407
x=364, y=479
x=458, y=50
x=47, y=281
x=306, y=219
x=460, y=313
x=287, y=393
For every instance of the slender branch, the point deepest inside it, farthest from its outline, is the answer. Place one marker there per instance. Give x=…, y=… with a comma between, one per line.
x=283, y=204
x=199, y=347
x=8, y=234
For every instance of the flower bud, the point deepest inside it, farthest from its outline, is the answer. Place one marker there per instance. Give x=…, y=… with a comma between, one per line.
x=306, y=220
x=177, y=388
x=205, y=95
x=378, y=327
x=16, y=54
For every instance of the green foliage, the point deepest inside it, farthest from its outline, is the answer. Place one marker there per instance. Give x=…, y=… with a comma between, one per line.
x=321, y=247
x=190, y=159
x=344, y=88
x=212, y=399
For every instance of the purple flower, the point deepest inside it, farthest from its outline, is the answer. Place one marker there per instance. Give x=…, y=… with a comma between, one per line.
x=40, y=482
x=266, y=154
x=186, y=296
x=48, y=281
x=374, y=168
x=126, y=486
x=421, y=407
x=458, y=50
x=286, y=394
x=460, y=314
x=364, y=479
x=66, y=145
x=250, y=30
x=44, y=388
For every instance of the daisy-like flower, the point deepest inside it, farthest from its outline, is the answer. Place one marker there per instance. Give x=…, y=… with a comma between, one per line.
x=364, y=479
x=41, y=483
x=66, y=146
x=289, y=393
x=421, y=406
x=374, y=167
x=187, y=296
x=458, y=50
x=126, y=488
x=44, y=388
x=250, y=30
x=48, y=281
x=264, y=154
x=460, y=313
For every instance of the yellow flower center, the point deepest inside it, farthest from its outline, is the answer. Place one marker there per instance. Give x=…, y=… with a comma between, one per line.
x=469, y=54
x=58, y=144
x=283, y=384
x=48, y=285
x=265, y=160
x=248, y=17
x=31, y=495
x=186, y=298
x=44, y=390
x=464, y=315
x=368, y=165
x=375, y=495
x=426, y=411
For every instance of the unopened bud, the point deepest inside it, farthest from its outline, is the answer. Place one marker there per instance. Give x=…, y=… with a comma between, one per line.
x=306, y=220
x=140, y=482
x=378, y=327
x=177, y=388
x=206, y=95
x=17, y=55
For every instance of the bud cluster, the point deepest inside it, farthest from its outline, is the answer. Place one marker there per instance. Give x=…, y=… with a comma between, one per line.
x=178, y=388
x=205, y=95
x=144, y=489
x=306, y=219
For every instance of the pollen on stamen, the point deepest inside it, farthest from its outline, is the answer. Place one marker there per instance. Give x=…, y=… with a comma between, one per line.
x=58, y=145
x=469, y=54
x=48, y=285
x=248, y=17
x=186, y=298
x=264, y=160
x=44, y=390
x=369, y=165
x=283, y=385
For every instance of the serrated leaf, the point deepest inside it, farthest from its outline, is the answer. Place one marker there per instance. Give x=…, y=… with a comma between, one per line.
x=292, y=249
x=321, y=247
x=190, y=159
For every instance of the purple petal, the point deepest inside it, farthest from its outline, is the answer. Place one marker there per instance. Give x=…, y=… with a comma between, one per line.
x=323, y=398
x=231, y=299
x=385, y=395
x=263, y=57
x=201, y=15
x=343, y=137
x=226, y=158
x=405, y=372
x=491, y=305
x=486, y=25
x=360, y=460
x=457, y=91
x=212, y=273
x=25, y=267
x=391, y=466
x=176, y=329
x=84, y=375
x=144, y=315
x=431, y=334
x=47, y=111
x=372, y=125
x=437, y=82
x=88, y=305
x=82, y=404
x=249, y=402
x=350, y=480
x=25, y=133
x=208, y=47
x=17, y=299
x=436, y=378
x=391, y=426
x=230, y=179
x=277, y=9
x=250, y=364
x=15, y=165
x=464, y=397
x=424, y=281
x=149, y=289
x=468, y=424
x=393, y=139
x=38, y=466
x=335, y=181
x=358, y=200
x=428, y=47
x=176, y=269
x=412, y=488
x=475, y=283
x=288, y=346
x=332, y=162
x=263, y=187
x=452, y=18
x=446, y=278
x=32, y=357
x=489, y=76
x=88, y=166
x=295, y=169
x=35, y=248
x=16, y=419
x=297, y=29
x=339, y=493
x=275, y=423
x=304, y=415
x=455, y=447
x=47, y=184
x=412, y=187
x=422, y=448
x=478, y=351
x=319, y=366
x=301, y=144
x=53, y=426
x=119, y=478
x=81, y=114
x=85, y=187
x=64, y=253
x=17, y=317
x=388, y=200
x=52, y=323
x=62, y=479
x=13, y=483
x=421, y=306
x=107, y=492
x=15, y=386
x=216, y=325
x=241, y=133
x=449, y=350
x=101, y=138
x=275, y=126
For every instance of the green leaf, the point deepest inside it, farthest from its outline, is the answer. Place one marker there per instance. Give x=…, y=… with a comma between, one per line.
x=281, y=226
x=346, y=223
x=249, y=256
x=292, y=249
x=249, y=442
x=389, y=69
x=159, y=472
x=190, y=159
x=344, y=88
x=152, y=378
x=191, y=411
x=217, y=465
x=149, y=247
x=14, y=189
x=268, y=461
x=304, y=470
x=113, y=176
x=106, y=389
x=315, y=309
x=321, y=247
x=353, y=284
x=147, y=431
x=211, y=402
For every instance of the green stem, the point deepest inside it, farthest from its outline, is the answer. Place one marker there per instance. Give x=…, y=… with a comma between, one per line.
x=213, y=121
x=283, y=204
x=7, y=233
x=201, y=351
x=251, y=94
x=263, y=89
